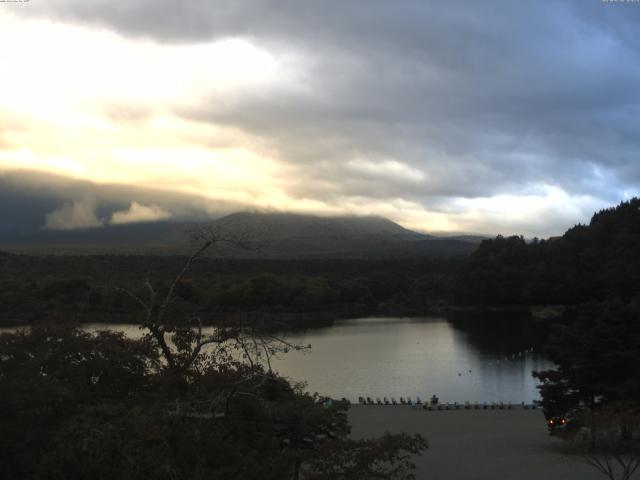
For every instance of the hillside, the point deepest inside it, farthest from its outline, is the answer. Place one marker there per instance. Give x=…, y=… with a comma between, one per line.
x=588, y=263
x=281, y=235
x=288, y=235
x=276, y=226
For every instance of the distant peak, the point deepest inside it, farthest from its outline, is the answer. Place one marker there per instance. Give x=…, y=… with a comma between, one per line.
x=301, y=224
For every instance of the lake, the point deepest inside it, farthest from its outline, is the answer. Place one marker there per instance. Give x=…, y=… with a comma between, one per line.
x=393, y=357
x=380, y=357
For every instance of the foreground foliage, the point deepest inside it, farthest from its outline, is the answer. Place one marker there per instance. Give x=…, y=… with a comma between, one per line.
x=101, y=406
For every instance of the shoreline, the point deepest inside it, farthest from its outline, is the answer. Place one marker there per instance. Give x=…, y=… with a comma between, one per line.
x=294, y=321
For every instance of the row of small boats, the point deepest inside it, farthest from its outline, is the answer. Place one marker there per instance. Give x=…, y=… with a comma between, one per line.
x=434, y=404
x=392, y=401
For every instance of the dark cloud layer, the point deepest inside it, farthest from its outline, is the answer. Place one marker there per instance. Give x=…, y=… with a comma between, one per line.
x=428, y=101
x=32, y=201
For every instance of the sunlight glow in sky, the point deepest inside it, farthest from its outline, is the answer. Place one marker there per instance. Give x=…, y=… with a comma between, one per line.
x=95, y=106
x=343, y=113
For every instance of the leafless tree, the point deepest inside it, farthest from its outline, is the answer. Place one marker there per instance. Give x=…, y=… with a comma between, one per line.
x=181, y=343
x=185, y=345
x=608, y=440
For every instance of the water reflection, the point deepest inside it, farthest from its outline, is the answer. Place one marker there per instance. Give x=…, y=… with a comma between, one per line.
x=409, y=357
x=504, y=334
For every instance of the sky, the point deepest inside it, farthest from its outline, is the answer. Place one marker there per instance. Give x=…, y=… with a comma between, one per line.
x=445, y=116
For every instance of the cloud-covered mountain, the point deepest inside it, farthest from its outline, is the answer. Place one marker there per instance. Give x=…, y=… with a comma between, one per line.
x=289, y=236
x=278, y=226
x=49, y=213
x=35, y=207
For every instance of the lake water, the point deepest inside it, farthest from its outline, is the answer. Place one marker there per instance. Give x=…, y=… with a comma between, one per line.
x=380, y=357
x=395, y=357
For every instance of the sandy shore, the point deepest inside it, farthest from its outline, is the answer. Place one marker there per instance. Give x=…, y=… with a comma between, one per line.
x=475, y=444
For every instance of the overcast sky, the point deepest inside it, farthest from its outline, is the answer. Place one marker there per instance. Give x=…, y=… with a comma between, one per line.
x=478, y=116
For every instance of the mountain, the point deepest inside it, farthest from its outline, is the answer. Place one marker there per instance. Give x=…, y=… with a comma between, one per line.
x=280, y=235
x=278, y=226
x=287, y=235
x=46, y=213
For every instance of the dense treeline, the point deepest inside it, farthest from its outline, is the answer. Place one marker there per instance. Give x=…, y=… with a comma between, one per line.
x=596, y=347
x=33, y=288
x=589, y=262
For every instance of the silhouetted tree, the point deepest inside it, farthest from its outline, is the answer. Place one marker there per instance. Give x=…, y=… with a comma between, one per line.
x=596, y=351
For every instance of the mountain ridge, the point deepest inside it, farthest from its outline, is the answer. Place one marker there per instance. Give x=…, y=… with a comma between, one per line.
x=286, y=235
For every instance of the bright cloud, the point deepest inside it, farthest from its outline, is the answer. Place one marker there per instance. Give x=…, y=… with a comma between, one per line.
x=385, y=169
x=80, y=214
x=139, y=213
x=61, y=72
x=537, y=213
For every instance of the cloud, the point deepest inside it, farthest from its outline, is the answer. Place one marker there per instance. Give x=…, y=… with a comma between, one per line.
x=479, y=102
x=73, y=216
x=427, y=110
x=539, y=212
x=139, y=213
x=32, y=200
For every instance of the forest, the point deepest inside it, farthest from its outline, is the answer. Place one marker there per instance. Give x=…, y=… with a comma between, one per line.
x=295, y=293
x=588, y=263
